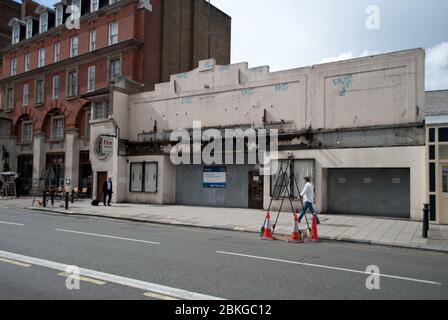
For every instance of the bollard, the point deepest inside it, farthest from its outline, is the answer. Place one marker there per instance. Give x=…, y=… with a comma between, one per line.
x=52, y=198
x=66, y=200
x=72, y=197
x=425, y=221
x=44, y=203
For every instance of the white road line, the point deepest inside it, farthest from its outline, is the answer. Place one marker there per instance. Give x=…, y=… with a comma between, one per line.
x=110, y=278
x=105, y=236
x=12, y=223
x=328, y=267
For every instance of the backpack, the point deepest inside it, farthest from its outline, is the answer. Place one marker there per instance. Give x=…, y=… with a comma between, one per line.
x=95, y=203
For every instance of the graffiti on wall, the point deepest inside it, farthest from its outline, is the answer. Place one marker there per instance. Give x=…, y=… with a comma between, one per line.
x=344, y=83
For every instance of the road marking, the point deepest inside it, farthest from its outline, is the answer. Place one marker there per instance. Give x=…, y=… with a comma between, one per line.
x=106, y=236
x=328, y=267
x=110, y=278
x=12, y=223
x=85, y=279
x=16, y=263
x=158, y=296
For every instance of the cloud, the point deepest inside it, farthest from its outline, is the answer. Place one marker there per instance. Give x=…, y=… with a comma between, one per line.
x=437, y=67
x=349, y=55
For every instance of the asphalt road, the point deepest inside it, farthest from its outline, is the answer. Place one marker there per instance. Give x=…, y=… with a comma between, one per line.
x=125, y=260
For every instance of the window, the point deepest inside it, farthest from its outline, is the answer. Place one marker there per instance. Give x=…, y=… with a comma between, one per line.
x=16, y=34
x=72, y=83
x=10, y=99
x=57, y=128
x=59, y=15
x=73, y=47
x=300, y=169
x=43, y=22
x=57, y=52
x=144, y=177
x=56, y=87
x=27, y=132
x=91, y=79
x=92, y=40
x=29, y=28
x=113, y=33
x=94, y=5
x=39, y=91
x=25, y=95
x=113, y=1
x=115, y=69
x=100, y=110
x=27, y=61
x=41, y=58
x=13, y=66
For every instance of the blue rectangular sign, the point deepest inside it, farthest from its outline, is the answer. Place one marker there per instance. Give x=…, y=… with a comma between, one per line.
x=215, y=177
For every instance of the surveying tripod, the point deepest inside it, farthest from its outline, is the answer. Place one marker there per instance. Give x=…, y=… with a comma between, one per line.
x=282, y=190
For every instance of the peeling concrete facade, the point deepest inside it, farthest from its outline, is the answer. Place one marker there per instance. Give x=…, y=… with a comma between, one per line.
x=366, y=113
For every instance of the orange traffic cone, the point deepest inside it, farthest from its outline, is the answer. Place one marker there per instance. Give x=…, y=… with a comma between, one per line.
x=267, y=233
x=314, y=236
x=296, y=237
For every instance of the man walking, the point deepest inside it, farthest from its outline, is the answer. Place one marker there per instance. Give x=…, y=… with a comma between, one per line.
x=307, y=196
x=107, y=191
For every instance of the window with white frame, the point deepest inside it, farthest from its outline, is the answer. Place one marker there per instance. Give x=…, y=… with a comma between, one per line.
x=57, y=128
x=59, y=15
x=57, y=52
x=92, y=40
x=26, y=95
x=113, y=1
x=27, y=131
x=76, y=9
x=115, y=68
x=27, y=61
x=43, y=22
x=143, y=177
x=10, y=99
x=94, y=5
x=100, y=110
x=13, y=66
x=39, y=91
x=16, y=34
x=72, y=83
x=91, y=79
x=73, y=47
x=55, y=87
x=29, y=28
x=41, y=58
x=113, y=33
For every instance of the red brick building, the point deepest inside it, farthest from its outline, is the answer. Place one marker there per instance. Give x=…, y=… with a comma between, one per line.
x=56, y=76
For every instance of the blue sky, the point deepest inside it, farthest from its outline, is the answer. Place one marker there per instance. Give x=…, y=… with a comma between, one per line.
x=293, y=33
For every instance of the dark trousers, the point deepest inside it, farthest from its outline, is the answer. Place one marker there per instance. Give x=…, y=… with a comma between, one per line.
x=306, y=207
x=107, y=196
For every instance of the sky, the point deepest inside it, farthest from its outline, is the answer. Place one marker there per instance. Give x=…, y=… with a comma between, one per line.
x=287, y=34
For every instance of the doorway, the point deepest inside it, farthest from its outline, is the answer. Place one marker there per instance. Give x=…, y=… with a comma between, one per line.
x=443, y=211
x=102, y=176
x=255, y=190
x=25, y=169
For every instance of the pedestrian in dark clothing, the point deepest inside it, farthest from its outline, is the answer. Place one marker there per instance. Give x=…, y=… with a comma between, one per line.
x=107, y=191
x=19, y=186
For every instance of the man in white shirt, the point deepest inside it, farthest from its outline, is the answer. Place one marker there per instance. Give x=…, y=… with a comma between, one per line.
x=307, y=196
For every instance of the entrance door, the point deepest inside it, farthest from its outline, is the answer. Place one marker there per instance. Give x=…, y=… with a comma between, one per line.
x=255, y=190
x=25, y=169
x=102, y=176
x=443, y=217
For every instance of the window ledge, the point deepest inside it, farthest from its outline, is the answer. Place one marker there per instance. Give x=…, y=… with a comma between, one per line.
x=56, y=141
x=71, y=98
x=40, y=104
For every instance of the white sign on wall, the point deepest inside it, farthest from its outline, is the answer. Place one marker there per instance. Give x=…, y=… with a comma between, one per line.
x=108, y=145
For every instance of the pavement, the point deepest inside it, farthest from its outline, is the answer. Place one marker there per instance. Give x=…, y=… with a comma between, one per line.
x=119, y=259
x=367, y=230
